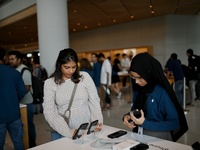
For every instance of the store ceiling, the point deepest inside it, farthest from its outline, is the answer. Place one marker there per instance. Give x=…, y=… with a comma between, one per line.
x=92, y=14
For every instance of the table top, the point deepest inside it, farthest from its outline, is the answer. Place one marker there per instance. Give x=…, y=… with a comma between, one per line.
x=22, y=105
x=85, y=142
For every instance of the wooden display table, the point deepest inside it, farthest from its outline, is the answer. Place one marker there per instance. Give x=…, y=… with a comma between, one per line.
x=25, y=125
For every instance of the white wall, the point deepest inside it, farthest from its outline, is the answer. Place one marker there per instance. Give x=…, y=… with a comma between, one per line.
x=167, y=35
x=182, y=32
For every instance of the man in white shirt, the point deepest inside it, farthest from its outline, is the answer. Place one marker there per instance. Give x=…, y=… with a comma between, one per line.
x=106, y=72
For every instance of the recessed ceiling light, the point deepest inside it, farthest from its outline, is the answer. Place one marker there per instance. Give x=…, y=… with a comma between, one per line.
x=99, y=24
x=114, y=20
x=86, y=27
x=132, y=17
x=75, y=11
x=78, y=24
x=152, y=12
x=74, y=29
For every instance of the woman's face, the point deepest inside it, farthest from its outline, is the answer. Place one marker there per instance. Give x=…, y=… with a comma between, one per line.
x=138, y=79
x=68, y=70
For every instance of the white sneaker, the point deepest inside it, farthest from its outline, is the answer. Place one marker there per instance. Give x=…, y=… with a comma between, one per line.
x=119, y=95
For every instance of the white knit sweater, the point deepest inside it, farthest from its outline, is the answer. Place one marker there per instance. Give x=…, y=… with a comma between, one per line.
x=85, y=105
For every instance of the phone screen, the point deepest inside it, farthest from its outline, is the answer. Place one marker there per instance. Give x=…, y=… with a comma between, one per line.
x=80, y=131
x=92, y=126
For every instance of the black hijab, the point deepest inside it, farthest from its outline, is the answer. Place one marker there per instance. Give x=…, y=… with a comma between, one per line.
x=151, y=70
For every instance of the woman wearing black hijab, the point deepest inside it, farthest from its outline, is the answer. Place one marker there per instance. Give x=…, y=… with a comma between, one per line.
x=161, y=114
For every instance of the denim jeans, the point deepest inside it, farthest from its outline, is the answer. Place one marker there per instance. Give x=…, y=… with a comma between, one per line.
x=55, y=136
x=192, y=84
x=31, y=126
x=16, y=132
x=179, y=91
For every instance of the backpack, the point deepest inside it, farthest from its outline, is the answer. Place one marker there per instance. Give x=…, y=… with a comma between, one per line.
x=197, y=62
x=37, y=87
x=44, y=74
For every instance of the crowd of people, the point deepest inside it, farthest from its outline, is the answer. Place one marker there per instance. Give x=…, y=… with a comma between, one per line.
x=160, y=105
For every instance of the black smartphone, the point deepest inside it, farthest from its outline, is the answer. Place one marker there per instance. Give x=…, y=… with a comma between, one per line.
x=92, y=126
x=80, y=131
x=117, y=134
x=140, y=146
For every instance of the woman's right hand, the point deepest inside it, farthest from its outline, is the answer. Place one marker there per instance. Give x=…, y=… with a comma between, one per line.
x=98, y=127
x=127, y=123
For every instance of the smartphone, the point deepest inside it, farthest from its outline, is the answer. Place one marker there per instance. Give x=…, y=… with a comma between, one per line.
x=140, y=146
x=80, y=131
x=92, y=126
x=117, y=134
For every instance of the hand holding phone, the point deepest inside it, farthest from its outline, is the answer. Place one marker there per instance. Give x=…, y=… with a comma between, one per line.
x=80, y=131
x=92, y=126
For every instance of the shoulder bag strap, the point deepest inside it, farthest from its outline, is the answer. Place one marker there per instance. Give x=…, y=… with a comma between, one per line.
x=71, y=99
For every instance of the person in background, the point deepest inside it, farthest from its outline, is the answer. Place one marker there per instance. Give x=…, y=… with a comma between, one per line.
x=125, y=64
x=173, y=65
x=154, y=97
x=115, y=77
x=86, y=66
x=58, y=88
x=195, y=74
x=12, y=90
x=40, y=72
x=96, y=71
x=106, y=73
x=15, y=60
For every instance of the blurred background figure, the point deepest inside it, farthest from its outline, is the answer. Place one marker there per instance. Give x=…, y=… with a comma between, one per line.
x=86, y=66
x=96, y=70
x=173, y=66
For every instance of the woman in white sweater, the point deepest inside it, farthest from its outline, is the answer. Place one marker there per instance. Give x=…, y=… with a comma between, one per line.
x=58, y=88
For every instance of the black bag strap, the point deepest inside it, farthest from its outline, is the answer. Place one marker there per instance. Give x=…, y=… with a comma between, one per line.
x=25, y=68
x=71, y=99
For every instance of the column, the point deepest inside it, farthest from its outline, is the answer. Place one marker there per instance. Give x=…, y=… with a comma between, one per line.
x=52, y=31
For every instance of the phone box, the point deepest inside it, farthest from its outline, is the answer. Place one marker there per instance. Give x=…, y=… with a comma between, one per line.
x=126, y=145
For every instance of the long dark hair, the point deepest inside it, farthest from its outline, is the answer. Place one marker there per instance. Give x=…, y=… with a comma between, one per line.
x=65, y=56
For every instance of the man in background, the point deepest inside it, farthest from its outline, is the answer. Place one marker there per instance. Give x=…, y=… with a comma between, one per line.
x=125, y=64
x=96, y=71
x=173, y=65
x=15, y=60
x=40, y=72
x=106, y=72
x=194, y=66
x=12, y=90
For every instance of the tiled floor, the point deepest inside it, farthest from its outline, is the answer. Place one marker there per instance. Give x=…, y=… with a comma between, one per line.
x=113, y=118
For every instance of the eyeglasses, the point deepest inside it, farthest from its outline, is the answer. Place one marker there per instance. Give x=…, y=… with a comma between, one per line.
x=135, y=78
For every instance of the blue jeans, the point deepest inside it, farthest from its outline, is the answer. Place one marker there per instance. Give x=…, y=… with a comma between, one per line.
x=179, y=91
x=16, y=132
x=55, y=136
x=192, y=84
x=31, y=126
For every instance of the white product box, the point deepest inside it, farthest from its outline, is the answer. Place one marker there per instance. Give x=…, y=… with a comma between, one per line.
x=126, y=145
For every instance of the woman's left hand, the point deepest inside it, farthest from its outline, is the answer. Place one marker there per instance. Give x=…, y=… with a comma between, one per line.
x=98, y=127
x=138, y=121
